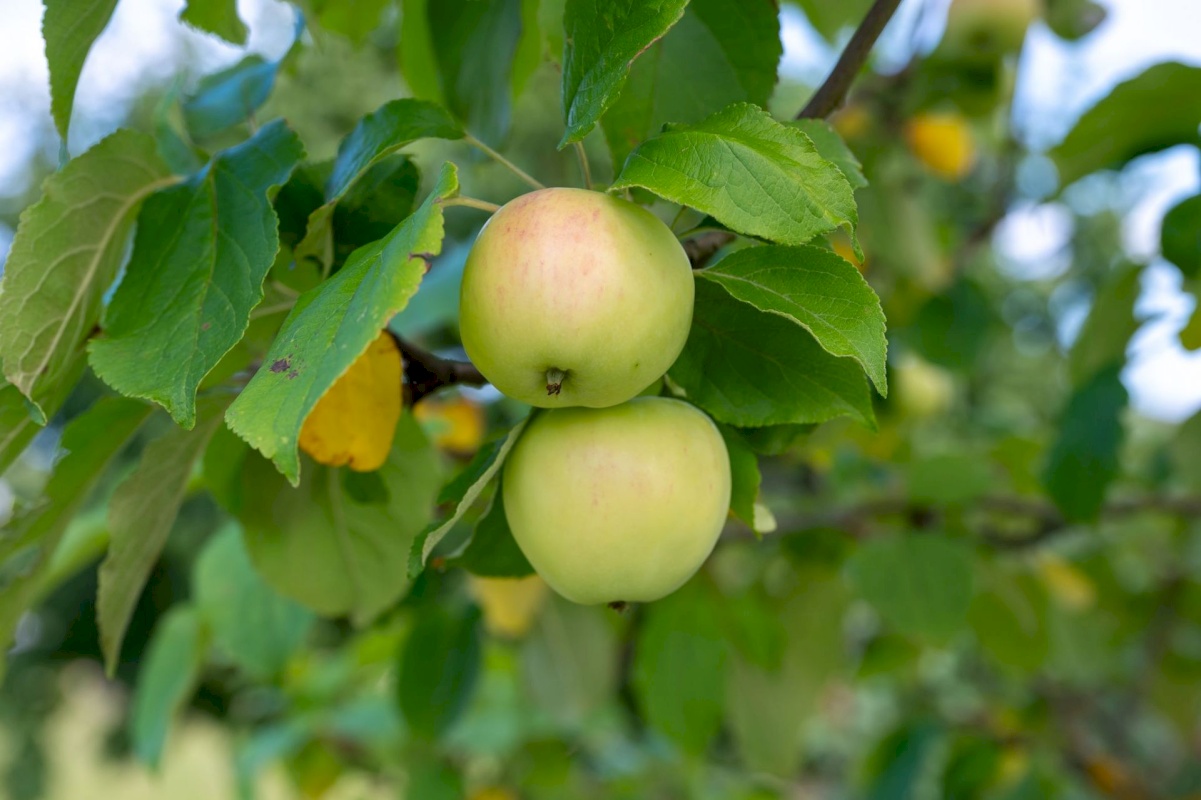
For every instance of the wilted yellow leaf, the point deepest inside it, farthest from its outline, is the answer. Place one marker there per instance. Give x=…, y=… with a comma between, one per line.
x=354, y=421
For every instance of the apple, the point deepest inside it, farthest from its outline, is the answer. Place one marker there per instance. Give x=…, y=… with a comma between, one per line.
x=620, y=504
x=986, y=29
x=574, y=298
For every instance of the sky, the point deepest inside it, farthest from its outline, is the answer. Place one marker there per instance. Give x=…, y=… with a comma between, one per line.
x=144, y=44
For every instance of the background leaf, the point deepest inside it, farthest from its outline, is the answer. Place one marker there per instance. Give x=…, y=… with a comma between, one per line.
x=438, y=668
x=202, y=251
x=1085, y=455
x=1149, y=112
x=819, y=291
x=720, y=52
x=680, y=666
x=744, y=474
x=332, y=326
x=920, y=583
x=92, y=440
x=460, y=53
x=218, y=17
x=746, y=367
x=749, y=172
x=831, y=147
x=229, y=97
x=602, y=41
x=69, y=28
x=252, y=625
x=141, y=514
x=334, y=550
x=167, y=677
x=1180, y=236
x=66, y=253
x=492, y=551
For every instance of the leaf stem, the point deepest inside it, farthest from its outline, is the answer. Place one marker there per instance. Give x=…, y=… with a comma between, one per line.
x=516, y=170
x=266, y=311
x=470, y=202
x=585, y=169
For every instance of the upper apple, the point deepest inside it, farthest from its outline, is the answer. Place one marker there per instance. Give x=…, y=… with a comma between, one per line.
x=575, y=298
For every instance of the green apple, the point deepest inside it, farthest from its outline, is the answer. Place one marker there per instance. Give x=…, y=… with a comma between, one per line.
x=574, y=298
x=985, y=29
x=619, y=504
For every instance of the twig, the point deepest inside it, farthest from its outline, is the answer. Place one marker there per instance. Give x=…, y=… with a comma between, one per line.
x=701, y=248
x=470, y=202
x=426, y=372
x=498, y=158
x=830, y=95
x=585, y=169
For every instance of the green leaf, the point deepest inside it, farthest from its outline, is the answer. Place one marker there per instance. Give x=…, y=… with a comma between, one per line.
x=69, y=27
x=744, y=472
x=331, y=548
x=773, y=440
x=720, y=52
x=1154, y=110
x=569, y=661
x=17, y=425
x=1085, y=456
x=230, y=96
x=920, y=583
x=379, y=134
x=680, y=665
x=168, y=675
x=1180, y=236
x=438, y=668
x=460, y=53
x=751, y=173
x=462, y=492
x=353, y=19
x=417, y=61
x=140, y=516
x=829, y=19
x=251, y=624
x=67, y=251
x=952, y=329
x=218, y=17
x=493, y=552
x=1106, y=333
x=199, y=259
x=91, y=441
x=819, y=291
x=602, y=40
x=331, y=326
x=768, y=707
x=949, y=479
x=831, y=147
x=1009, y=619
x=747, y=367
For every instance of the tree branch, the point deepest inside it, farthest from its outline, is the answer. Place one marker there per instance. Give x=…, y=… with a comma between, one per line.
x=425, y=372
x=830, y=95
x=1043, y=520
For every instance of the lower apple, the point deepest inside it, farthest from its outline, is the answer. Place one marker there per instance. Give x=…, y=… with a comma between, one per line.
x=620, y=504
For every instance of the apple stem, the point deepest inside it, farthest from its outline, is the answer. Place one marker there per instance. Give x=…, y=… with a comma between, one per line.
x=554, y=380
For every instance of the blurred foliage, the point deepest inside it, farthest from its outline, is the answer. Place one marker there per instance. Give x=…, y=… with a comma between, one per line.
x=994, y=593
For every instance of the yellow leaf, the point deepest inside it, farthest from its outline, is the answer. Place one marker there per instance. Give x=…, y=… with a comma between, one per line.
x=493, y=793
x=510, y=605
x=455, y=424
x=943, y=142
x=1066, y=583
x=354, y=421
